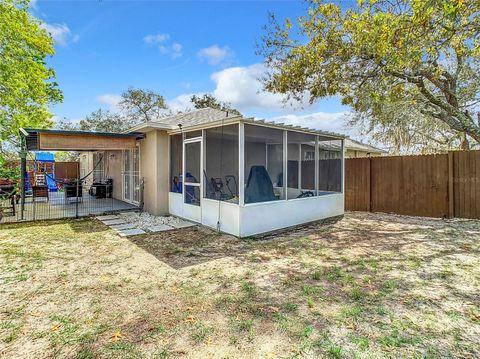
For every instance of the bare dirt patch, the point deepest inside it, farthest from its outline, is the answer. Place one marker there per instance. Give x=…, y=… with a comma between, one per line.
x=369, y=285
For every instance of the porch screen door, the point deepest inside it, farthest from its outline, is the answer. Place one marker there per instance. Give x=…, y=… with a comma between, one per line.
x=192, y=181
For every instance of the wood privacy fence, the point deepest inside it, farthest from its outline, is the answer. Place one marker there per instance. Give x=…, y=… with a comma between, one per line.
x=67, y=169
x=440, y=185
x=62, y=169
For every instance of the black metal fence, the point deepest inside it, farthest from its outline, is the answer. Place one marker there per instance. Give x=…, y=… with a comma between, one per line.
x=55, y=199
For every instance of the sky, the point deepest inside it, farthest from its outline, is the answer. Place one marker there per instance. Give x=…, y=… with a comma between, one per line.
x=177, y=49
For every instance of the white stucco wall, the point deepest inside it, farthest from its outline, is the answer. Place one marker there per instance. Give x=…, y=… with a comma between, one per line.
x=154, y=159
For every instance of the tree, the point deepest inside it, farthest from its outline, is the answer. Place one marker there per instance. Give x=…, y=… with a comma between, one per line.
x=208, y=100
x=99, y=121
x=140, y=105
x=27, y=85
x=407, y=131
x=415, y=56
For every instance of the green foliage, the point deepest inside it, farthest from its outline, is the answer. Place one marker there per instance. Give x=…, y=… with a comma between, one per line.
x=136, y=106
x=26, y=83
x=139, y=105
x=9, y=171
x=66, y=156
x=208, y=100
x=100, y=121
x=400, y=65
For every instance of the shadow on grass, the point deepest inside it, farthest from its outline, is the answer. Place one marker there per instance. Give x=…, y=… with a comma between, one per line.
x=87, y=225
x=190, y=246
x=80, y=225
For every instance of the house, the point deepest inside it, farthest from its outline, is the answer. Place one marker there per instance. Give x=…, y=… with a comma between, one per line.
x=357, y=149
x=239, y=175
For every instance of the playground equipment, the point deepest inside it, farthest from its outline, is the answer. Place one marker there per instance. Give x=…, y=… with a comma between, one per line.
x=44, y=171
x=40, y=179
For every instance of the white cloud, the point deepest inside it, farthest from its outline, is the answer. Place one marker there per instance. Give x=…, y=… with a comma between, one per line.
x=60, y=33
x=241, y=87
x=215, y=54
x=111, y=100
x=156, y=39
x=174, y=50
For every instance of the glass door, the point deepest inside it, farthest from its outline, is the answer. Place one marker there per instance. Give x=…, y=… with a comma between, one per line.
x=131, y=175
x=136, y=176
x=192, y=184
x=127, y=183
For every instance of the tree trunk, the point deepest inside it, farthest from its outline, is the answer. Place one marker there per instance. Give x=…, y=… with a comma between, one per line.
x=465, y=145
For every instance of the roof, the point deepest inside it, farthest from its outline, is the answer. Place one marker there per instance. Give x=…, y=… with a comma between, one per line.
x=360, y=146
x=45, y=157
x=209, y=116
x=185, y=119
x=31, y=135
x=196, y=117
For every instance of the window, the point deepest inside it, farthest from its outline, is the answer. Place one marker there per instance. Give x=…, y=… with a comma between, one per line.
x=301, y=165
x=221, y=163
x=329, y=166
x=176, y=150
x=263, y=164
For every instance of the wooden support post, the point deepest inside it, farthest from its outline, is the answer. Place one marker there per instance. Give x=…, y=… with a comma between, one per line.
x=451, y=199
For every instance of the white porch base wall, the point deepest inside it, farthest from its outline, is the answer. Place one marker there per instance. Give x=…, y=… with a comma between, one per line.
x=175, y=204
x=261, y=217
x=229, y=216
x=229, y=213
x=271, y=216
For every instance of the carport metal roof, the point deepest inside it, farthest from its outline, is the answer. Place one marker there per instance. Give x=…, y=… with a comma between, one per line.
x=61, y=140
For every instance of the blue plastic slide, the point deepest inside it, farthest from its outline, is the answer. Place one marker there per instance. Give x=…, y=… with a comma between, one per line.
x=52, y=186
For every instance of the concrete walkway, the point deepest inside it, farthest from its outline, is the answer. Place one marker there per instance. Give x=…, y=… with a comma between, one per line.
x=125, y=229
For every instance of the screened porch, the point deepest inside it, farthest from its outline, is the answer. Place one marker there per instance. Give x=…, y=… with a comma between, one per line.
x=248, y=177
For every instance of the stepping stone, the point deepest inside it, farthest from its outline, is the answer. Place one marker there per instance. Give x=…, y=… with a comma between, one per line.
x=118, y=227
x=107, y=218
x=182, y=224
x=129, y=214
x=130, y=232
x=160, y=228
x=113, y=222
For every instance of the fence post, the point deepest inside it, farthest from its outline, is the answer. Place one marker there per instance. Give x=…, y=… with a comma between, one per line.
x=76, y=192
x=23, y=170
x=451, y=199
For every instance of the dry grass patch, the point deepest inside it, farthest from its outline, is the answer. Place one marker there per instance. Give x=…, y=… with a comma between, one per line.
x=367, y=286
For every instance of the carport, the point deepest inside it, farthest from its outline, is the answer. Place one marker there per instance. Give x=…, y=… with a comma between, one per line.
x=76, y=197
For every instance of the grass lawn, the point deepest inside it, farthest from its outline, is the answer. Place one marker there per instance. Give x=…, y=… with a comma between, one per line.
x=368, y=286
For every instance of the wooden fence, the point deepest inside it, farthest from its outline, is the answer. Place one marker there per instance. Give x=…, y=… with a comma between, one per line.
x=441, y=185
x=62, y=169
x=67, y=169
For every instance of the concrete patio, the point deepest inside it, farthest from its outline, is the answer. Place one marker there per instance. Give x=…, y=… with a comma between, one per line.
x=57, y=206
